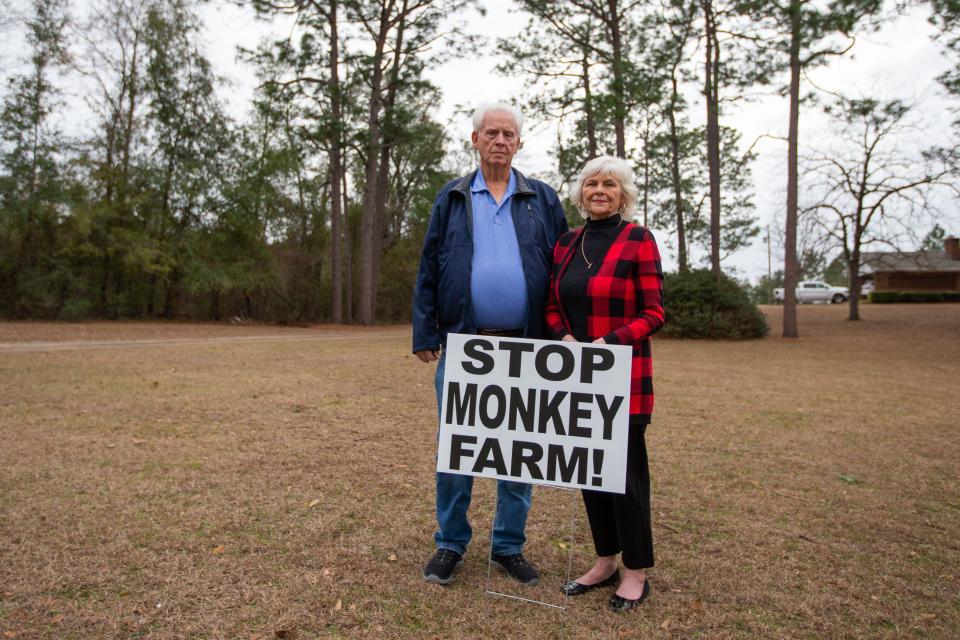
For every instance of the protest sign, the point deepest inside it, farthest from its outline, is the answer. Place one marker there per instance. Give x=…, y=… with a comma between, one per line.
x=536, y=411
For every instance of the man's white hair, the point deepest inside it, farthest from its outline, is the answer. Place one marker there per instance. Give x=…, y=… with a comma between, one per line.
x=621, y=170
x=484, y=109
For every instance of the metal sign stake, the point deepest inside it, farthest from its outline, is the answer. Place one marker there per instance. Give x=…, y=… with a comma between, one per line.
x=573, y=521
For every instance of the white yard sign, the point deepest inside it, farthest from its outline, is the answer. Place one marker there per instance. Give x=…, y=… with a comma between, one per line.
x=536, y=411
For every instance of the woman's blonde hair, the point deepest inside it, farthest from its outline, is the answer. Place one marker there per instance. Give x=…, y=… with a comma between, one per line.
x=608, y=166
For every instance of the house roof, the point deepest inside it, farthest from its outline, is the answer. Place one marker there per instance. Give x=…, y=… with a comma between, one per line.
x=913, y=261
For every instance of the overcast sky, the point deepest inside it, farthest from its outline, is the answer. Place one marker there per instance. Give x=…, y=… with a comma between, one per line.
x=900, y=61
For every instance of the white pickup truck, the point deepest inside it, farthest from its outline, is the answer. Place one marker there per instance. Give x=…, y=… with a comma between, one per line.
x=815, y=291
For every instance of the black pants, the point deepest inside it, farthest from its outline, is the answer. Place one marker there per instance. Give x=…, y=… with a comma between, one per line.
x=621, y=523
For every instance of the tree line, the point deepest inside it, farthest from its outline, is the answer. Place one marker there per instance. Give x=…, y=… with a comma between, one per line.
x=312, y=207
x=621, y=77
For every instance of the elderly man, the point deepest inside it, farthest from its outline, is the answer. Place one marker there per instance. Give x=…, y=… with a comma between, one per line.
x=485, y=269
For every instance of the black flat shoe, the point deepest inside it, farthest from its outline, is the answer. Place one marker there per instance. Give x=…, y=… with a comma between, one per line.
x=574, y=588
x=621, y=604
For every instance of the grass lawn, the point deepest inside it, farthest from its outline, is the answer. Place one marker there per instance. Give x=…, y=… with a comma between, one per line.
x=211, y=481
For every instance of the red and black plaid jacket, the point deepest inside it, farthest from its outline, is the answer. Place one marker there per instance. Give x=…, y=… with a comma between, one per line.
x=626, y=297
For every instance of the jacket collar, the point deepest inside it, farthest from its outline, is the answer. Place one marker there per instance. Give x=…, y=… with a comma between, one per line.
x=523, y=185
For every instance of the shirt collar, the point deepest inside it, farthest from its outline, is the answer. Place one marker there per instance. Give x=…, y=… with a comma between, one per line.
x=479, y=184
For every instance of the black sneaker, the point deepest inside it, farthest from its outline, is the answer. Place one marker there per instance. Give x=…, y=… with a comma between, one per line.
x=439, y=569
x=517, y=568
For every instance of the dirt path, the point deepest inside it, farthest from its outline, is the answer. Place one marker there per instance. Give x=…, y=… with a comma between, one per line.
x=27, y=337
x=74, y=345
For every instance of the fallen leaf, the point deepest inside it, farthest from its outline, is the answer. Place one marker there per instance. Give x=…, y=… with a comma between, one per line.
x=562, y=545
x=353, y=607
x=136, y=441
x=313, y=503
x=325, y=573
x=392, y=557
x=338, y=606
x=218, y=550
x=10, y=634
x=697, y=604
x=57, y=619
x=848, y=479
x=665, y=624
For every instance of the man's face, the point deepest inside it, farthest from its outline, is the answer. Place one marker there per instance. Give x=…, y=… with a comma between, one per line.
x=497, y=140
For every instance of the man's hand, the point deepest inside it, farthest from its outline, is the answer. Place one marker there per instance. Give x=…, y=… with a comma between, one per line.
x=428, y=355
x=599, y=341
x=568, y=338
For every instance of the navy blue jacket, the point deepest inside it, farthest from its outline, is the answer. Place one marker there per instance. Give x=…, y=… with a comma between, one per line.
x=441, y=297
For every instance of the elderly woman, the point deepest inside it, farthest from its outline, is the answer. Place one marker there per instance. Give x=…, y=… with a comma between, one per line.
x=606, y=288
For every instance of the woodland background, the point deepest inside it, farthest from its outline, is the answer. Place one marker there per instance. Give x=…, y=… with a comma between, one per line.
x=312, y=208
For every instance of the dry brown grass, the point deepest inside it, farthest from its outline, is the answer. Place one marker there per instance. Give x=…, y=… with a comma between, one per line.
x=280, y=485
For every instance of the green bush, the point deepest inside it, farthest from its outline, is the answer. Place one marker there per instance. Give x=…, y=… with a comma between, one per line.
x=698, y=305
x=893, y=297
x=75, y=309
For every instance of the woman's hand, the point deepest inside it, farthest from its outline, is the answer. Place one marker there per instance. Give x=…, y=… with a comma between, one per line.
x=599, y=341
x=569, y=338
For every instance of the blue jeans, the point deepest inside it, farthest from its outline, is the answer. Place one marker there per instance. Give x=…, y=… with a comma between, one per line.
x=453, y=500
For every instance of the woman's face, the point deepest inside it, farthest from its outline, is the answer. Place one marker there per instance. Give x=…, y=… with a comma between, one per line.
x=601, y=196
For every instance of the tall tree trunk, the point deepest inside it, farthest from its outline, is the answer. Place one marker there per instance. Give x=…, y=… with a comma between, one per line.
x=383, y=170
x=369, y=222
x=853, y=265
x=712, y=95
x=791, y=266
x=619, y=88
x=347, y=256
x=589, y=117
x=683, y=266
x=130, y=112
x=336, y=169
x=853, y=271
x=152, y=295
x=645, y=199
x=108, y=161
x=172, y=294
x=105, y=283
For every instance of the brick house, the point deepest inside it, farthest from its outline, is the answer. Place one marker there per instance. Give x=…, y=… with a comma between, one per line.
x=914, y=270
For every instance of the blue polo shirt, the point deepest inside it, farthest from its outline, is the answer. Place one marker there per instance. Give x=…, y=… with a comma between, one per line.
x=497, y=287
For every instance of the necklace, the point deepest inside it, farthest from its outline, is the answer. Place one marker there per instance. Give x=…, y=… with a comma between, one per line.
x=583, y=241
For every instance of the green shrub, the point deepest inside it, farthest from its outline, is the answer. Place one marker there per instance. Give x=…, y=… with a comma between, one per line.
x=698, y=305
x=893, y=297
x=884, y=297
x=75, y=309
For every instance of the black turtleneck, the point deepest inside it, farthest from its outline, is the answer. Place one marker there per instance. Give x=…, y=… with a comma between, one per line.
x=594, y=242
